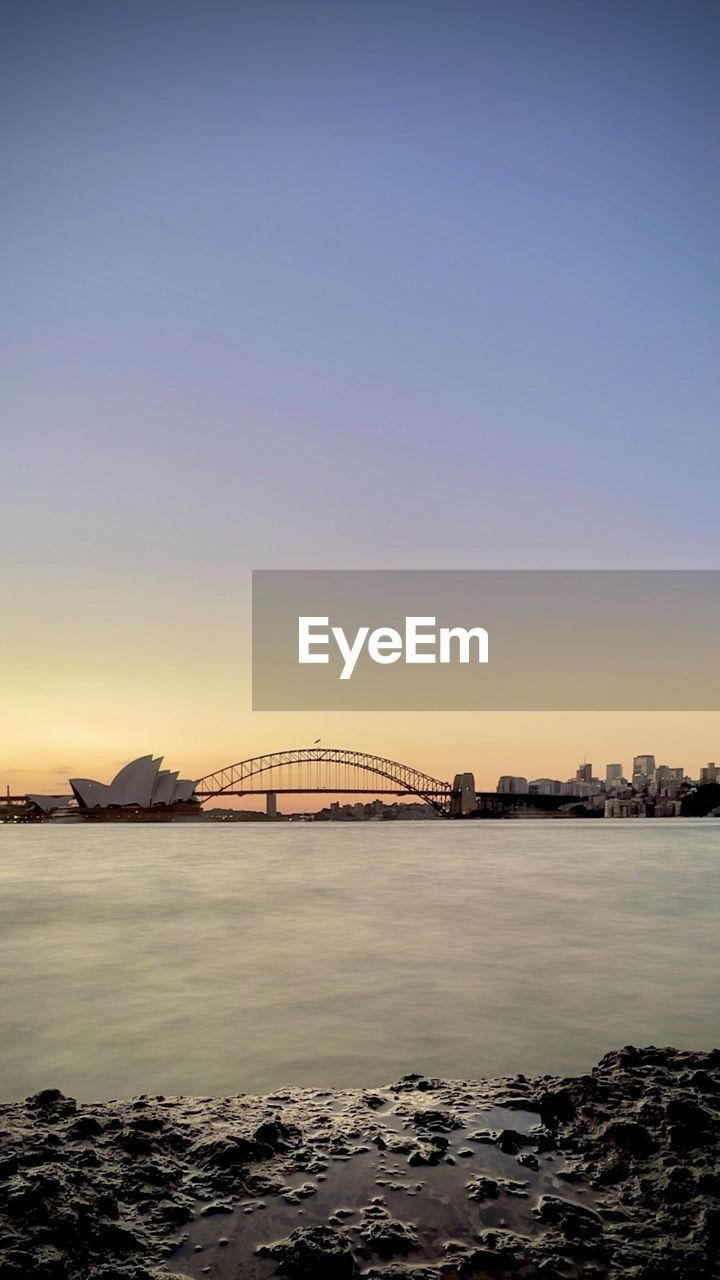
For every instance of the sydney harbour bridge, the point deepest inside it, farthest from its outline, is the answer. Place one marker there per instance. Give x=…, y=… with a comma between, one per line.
x=319, y=770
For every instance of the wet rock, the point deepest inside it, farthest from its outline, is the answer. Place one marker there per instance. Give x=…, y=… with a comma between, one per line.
x=401, y=1271
x=484, y=1188
x=704, y=1082
x=711, y=1230
x=175, y=1212
x=230, y=1152
x=426, y=1154
x=313, y=1253
x=556, y=1107
x=629, y=1136
x=85, y=1127
x=688, y=1113
x=216, y=1206
x=387, y=1236
x=510, y=1141
x=113, y=1237
x=435, y=1120
x=51, y=1100
x=572, y=1219
x=276, y=1135
x=499, y=1251
x=529, y=1161
x=638, y=1138
x=481, y=1189
x=413, y=1082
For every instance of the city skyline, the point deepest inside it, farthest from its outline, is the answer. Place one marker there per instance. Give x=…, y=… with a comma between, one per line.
x=20, y=781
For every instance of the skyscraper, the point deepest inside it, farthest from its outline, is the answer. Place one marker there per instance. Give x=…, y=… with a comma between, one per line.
x=643, y=772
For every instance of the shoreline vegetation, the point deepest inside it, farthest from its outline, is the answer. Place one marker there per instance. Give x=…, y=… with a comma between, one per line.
x=611, y=1174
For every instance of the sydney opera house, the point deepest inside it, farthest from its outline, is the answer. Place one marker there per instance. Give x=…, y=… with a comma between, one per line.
x=141, y=791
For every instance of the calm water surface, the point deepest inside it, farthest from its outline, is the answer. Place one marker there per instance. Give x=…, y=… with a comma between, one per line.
x=218, y=959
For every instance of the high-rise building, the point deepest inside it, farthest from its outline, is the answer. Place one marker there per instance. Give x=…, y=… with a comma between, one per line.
x=710, y=773
x=668, y=781
x=643, y=772
x=614, y=773
x=584, y=773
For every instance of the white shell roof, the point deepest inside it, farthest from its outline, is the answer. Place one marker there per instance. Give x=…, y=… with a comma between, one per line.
x=141, y=783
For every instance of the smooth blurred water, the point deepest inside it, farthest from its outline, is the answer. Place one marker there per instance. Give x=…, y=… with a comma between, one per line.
x=218, y=959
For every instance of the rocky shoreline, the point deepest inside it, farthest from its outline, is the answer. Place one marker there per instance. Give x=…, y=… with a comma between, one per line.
x=611, y=1174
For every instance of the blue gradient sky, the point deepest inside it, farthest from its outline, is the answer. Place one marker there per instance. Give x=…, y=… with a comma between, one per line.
x=313, y=284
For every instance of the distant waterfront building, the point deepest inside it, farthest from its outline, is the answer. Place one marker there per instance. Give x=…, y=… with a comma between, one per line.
x=509, y=785
x=552, y=787
x=643, y=772
x=668, y=781
x=625, y=807
x=614, y=774
x=584, y=773
x=709, y=773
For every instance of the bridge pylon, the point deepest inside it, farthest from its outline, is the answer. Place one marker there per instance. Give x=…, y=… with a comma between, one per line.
x=464, y=797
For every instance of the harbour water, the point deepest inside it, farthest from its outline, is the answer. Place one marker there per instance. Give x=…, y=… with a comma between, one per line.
x=213, y=959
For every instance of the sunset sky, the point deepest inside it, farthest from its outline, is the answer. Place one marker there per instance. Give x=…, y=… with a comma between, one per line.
x=308, y=285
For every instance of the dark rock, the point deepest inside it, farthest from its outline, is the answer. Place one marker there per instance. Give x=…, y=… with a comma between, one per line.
x=137, y=1144
x=387, y=1236
x=230, y=1152
x=106, y=1205
x=629, y=1136
x=689, y=1113
x=510, y=1141
x=217, y=1206
x=112, y=1237
x=704, y=1082
x=276, y=1135
x=51, y=1099
x=499, y=1251
x=481, y=1189
x=174, y=1212
x=711, y=1228
x=518, y=1103
x=146, y=1124
x=529, y=1161
x=313, y=1253
x=436, y=1121
x=373, y=1101
x=426, y=1154
x=573, y=1220
x=85, y=1127
x=556, y=1106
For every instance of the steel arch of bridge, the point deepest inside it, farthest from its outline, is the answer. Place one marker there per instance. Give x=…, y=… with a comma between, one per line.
x=234, y=778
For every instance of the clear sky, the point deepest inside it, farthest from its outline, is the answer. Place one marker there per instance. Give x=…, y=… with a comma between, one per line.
x=387, y=284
